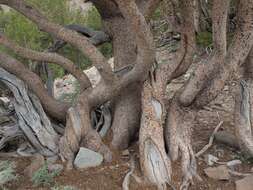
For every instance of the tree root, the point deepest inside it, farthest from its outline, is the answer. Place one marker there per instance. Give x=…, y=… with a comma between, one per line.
x=155, y=163
x=178, y=139
x=243, y=117
x=78, y=129
x=126, y=120
x=210, y=143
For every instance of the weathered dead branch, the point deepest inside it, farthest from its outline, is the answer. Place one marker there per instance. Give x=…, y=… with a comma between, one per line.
x=31, y=118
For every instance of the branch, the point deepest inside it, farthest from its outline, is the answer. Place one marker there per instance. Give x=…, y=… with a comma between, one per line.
x=103, y=92
x=206, y=68
x=53, y=107
x=65, y=34
x=96, y=37
x=148, y=7
x=237, y=53
x=219, y=15
x=180, y=61
x=48, y=57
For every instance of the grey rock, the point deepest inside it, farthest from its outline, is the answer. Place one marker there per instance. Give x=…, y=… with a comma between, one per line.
x=125, y=152
x=87, y=158
x=210, y=159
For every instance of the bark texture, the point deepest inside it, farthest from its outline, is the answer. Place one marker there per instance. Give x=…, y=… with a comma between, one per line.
x=31, y=118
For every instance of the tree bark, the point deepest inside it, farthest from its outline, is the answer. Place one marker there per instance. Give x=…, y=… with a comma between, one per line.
x=127, y=108
x=31, y=118
x=53, y=107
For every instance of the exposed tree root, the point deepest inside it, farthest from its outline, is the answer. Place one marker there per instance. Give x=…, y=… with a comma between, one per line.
x=243, y=116
x=78, y=129
x=155, y=163
x=210, y=143
x=126, y=117
x=178, y=140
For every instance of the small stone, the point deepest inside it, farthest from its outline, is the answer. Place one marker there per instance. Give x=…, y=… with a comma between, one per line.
x=87, y=158
x=245, y=183
x=226, y=88
x=220, y=173
x=37, y=162
x=55, y=167
x=210, y=159
x=125, y=152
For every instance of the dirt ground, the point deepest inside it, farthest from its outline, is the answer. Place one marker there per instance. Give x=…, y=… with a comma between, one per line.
x=109, y=176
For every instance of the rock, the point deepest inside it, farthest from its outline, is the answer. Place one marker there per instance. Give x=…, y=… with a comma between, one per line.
x=226, y=88
x=210, y=159
x=55, y=168
x=87, y=158
x=220, y=173
x=233, y=163
x=125, y=152
x=66, y=87
x=245, y=183
x=37, y=162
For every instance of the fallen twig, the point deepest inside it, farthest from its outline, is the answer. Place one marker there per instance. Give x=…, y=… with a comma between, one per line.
x=210, y=143
x=126, y=181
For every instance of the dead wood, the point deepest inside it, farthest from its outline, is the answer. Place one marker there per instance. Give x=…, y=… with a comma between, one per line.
x=31, y=118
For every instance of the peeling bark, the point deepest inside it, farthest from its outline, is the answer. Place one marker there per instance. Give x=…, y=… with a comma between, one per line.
x=155, y=163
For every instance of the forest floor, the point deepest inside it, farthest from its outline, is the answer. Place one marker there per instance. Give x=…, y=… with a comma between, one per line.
x=109, y=176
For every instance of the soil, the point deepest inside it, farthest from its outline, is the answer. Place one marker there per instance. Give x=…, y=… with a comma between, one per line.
x=109, y=176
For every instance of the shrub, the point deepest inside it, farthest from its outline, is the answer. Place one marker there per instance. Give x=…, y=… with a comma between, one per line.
x=43, y=177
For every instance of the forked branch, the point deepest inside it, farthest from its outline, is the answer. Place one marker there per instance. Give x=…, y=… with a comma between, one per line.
x=79, y=41
x=49, y=58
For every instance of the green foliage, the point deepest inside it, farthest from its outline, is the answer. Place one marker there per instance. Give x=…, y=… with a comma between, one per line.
x=43, y=177
x=27, y=34
x=93, y=19
x=7, y=173
x=204, y=39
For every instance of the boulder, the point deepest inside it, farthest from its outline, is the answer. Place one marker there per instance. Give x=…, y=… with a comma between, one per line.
x=87, y=158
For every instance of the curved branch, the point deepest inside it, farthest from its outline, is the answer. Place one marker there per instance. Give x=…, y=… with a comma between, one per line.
x=96, y=37
x=197, y=81
x=77, y=40
x=237, y=53
x=53, y=107
x=48, y=57
x=104, y=91
x=180, y=61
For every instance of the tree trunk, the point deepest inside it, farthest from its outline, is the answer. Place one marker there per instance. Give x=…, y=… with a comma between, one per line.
x=244, y=108
x=155, y=163
x=127, y=108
